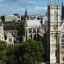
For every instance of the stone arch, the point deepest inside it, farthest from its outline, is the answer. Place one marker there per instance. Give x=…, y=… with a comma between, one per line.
x=62, y=47
x=62, y=41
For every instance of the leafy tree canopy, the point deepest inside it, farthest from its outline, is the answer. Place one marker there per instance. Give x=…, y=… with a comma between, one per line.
x=3, y=47
x=30, y=52
x=20, y=28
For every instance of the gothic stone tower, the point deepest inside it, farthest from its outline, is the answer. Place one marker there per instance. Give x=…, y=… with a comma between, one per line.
x=26, y=15
x=53, y=25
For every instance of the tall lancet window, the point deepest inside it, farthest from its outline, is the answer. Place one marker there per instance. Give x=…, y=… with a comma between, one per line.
x=55, y=16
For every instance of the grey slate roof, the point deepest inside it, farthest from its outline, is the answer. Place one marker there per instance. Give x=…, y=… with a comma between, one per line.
x=9, y=26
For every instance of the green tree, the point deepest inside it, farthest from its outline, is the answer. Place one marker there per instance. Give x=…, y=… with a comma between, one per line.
x=3, y=47
x=20, y=28
x=34, y=51
x=14, y=53
x=30, y=52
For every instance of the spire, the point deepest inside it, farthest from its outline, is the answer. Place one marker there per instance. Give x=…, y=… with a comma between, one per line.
x=58, y=2
x=50, y=2
x=25, y=12
x=26, y=15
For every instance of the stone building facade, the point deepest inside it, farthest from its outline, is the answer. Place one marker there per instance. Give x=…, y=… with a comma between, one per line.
x=55, y=34
x=8, y=32
x=33, y=29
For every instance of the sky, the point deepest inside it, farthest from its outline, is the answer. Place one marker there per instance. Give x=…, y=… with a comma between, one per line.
x=9, y=7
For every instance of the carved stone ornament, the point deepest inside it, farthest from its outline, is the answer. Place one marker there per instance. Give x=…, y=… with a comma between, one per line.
x=55, y=27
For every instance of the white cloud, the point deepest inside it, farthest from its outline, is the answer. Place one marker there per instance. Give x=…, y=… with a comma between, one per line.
x=40, y=8
x=45, y=8
x=22, y=2
x=19, y=6
x=31, y=2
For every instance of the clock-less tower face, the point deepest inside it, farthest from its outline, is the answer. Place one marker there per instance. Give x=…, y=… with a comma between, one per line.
x=55, y=16
x=55, y=26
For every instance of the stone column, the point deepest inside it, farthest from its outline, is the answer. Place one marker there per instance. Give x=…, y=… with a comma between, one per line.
x=27, y=34
x=32, y=33
x=25, y=37
x=60, y=48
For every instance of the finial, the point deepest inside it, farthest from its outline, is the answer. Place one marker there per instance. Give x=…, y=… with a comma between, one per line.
x=50, y=2
x=58, y=2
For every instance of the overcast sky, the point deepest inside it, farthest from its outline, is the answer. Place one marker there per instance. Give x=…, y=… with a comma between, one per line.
x=18, y=6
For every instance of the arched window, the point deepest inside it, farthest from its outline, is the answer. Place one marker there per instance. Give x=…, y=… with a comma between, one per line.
x=34, y=30
x=62, y=42
x=30, y=30
x=63, y=58
x=10, y=39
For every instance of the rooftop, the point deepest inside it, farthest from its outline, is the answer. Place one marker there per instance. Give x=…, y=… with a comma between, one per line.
x=31, y=23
